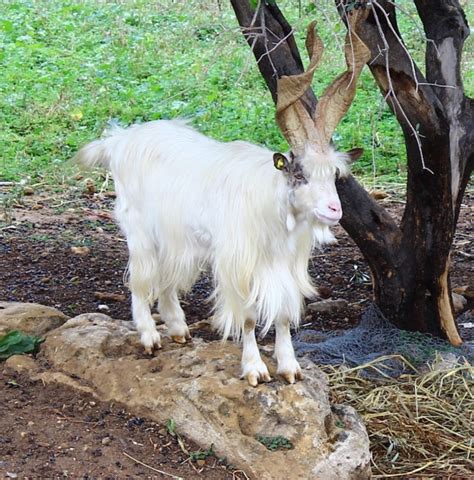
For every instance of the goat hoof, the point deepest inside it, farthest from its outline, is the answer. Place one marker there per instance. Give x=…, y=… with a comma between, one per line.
x=151, y=350
x=151, y=341
x=179, y=338
x=255, y=377
x=291, y=377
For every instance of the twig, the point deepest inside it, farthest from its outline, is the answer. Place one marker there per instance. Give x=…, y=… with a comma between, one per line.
x=391, y=91
x=234, y=474
x=400, y=41
x=152, y=468
x=282, y=40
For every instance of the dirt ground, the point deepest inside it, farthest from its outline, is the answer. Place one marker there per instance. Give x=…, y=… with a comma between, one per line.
x=52, y=432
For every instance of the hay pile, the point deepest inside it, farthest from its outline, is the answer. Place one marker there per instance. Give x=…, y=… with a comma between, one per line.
x=420, y=424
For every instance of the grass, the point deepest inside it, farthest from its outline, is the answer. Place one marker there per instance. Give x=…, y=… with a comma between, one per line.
x=69, y=67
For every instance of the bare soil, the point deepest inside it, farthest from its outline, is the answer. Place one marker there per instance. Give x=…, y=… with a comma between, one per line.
x=49, y=431
x=53, y=432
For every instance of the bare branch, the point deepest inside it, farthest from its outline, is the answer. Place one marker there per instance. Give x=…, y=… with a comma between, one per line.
x=391, y=91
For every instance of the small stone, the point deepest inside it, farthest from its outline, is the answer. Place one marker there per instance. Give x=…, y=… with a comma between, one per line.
x=20, y=364
x=106, y=440
x=328, y=306
x=103, y=308
x=11, y=475
x=201, y=462
x=28, y=191
x=30, y=318
x=459, y=302
x=112, y=297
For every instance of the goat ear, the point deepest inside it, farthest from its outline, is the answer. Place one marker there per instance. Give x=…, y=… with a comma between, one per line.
x=280, y=162
x=354, y=154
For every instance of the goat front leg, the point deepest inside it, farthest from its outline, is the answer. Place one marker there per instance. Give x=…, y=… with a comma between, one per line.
x=149, y=336
x=288, y=366
x=253, y=368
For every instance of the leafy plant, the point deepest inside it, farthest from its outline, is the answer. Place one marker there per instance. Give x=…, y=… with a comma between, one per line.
x=202, y=454
x=171, y=427
x=277, y=442
x=16, y=343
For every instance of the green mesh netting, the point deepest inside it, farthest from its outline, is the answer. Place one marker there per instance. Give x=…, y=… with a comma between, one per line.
x=375, y=337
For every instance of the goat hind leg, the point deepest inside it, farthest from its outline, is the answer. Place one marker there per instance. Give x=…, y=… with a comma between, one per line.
x=141, y=274
x=172, y=314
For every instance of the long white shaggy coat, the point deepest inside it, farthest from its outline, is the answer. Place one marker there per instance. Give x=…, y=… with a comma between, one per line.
x=186, y=202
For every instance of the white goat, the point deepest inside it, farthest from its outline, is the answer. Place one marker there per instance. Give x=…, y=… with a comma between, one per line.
x=185, y=201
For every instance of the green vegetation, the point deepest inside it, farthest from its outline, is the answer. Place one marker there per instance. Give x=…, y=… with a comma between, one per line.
x=68, y=68
x=202, y=454
x=16, y=343
x=274, y=443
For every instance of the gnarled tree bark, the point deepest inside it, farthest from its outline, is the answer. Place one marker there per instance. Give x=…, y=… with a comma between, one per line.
x=409, y=262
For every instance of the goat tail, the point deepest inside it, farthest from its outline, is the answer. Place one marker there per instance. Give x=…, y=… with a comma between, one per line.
x=93, y=154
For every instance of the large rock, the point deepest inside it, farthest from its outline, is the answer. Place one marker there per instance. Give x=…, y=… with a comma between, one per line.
x=29, y=318
x=197, y=385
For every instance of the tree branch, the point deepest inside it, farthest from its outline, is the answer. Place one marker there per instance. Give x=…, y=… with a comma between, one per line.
x=407, y=92
x=445, y=24
x=363, y=216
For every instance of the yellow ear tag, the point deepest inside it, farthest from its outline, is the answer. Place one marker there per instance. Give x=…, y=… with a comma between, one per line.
x=280, y=164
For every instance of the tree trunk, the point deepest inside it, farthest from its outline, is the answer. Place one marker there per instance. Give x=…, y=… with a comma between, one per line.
x=410, y=262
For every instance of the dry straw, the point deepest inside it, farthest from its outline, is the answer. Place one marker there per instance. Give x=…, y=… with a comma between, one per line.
x=420, y=425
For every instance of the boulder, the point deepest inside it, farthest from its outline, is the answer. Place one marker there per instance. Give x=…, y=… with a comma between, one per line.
x=198, y=386
x=30, y=318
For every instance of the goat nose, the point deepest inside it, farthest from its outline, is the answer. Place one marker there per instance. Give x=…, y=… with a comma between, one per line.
x=334, y=207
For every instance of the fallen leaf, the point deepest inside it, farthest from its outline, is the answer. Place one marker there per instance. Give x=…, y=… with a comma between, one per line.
x=89, y=186
x=378, y=194
x=80, y=250
x=77, y=115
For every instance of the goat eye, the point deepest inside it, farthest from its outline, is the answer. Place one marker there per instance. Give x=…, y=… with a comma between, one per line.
x=299, y=177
